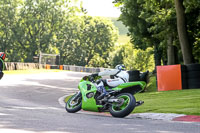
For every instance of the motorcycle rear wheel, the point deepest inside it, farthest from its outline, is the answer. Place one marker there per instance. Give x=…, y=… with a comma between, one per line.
x=124, y=108
x=73, y=106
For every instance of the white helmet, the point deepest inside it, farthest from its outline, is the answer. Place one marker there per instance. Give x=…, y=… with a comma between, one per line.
x=120, y=67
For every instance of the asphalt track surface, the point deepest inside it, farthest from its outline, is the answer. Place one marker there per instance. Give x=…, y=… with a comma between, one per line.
x=29, y=104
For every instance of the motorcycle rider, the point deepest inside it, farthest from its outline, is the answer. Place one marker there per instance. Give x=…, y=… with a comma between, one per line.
x=120, y=76
x=2, y=57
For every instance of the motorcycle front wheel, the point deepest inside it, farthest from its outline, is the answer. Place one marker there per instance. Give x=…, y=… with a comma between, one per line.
x=124, y=107
x=73, y=104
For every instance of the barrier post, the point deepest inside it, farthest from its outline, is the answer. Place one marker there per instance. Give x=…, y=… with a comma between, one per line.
x=61, y=67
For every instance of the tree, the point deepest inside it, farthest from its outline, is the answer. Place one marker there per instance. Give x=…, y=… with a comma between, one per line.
x=151, y=23
x=132, y=58
x=116, y=56
x=8, y=10
x=35, y=25
x=192, y=13
x=55, y=26
x=39, y=21
x=88, y=42
x=182, y=32
x=102, y=35
x=163, y=18
x=134, y=15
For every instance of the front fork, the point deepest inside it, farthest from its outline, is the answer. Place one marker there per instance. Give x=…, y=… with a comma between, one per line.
x=78, y=94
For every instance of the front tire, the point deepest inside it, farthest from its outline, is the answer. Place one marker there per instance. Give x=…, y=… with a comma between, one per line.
x=123, y=109
x=73, y=105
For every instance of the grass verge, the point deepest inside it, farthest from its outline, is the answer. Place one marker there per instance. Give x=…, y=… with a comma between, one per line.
x=179, y=101
x=151, y=86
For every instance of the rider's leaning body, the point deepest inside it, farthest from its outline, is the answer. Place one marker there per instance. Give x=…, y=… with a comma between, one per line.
x=120, y=76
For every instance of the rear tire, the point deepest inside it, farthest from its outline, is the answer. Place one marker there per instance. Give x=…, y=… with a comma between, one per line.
x=124, y=108
x=73, y=106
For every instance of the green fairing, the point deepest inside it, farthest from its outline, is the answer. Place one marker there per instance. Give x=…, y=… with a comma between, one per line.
x=142, y=84
x=90, y=103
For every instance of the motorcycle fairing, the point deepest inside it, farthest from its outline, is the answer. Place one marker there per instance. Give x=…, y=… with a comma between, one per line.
x=89, y=104
x=140, y=84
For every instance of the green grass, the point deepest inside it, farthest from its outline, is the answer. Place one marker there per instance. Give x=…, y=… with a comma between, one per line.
x=31, y=71
x=179, y=101
x=151, y=86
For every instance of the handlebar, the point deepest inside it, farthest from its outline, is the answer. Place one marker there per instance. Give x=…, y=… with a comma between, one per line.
x=91, y=78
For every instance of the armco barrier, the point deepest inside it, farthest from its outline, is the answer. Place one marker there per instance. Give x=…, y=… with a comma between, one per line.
x=26, y=66
x=54, y=66
x=82, y=69
x=22, y=66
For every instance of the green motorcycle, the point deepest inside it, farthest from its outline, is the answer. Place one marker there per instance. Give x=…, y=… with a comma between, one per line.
x=120, y=102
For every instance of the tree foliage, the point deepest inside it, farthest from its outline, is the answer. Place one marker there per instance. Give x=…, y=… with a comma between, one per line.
x=8, y=18
x=28, y=27
x=90, y=41
x=152, y=23
x=56, y=27
x=132, y=58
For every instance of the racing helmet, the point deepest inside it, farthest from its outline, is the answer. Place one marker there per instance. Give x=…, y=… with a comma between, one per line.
x=2, y=55
x=120, y=67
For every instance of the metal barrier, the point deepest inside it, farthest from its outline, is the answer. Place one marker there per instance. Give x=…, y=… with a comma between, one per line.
x=26, y=66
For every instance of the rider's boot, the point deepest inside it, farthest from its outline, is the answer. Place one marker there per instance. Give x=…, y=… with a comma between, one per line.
x=103, y=93
x=138, y=103
x=101, y=96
